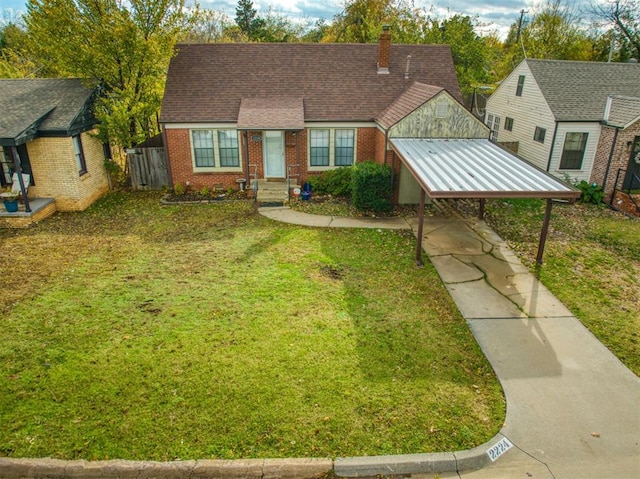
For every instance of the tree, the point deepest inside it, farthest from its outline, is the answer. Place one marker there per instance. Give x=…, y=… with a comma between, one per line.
x=123, y=47
x=625, y=17
x=471, y=53
x=248, y=20
x=15, y=60
x=209, y=26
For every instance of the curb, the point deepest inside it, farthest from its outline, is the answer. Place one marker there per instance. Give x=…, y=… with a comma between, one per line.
x=301, y=468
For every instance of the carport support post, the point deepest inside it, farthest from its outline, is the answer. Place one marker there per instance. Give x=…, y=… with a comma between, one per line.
x=420, y=226
x=481, y=209
x=545, y=230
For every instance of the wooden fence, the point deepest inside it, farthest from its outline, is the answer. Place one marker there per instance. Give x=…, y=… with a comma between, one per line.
x=148, y=168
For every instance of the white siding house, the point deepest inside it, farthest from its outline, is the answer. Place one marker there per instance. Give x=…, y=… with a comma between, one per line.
x=554, y=110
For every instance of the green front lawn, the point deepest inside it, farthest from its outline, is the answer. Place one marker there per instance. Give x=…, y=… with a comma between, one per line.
x=592, y=264
x=137, y=331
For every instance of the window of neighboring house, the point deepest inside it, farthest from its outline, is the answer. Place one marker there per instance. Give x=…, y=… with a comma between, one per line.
x=332, y=147
x=215, y=149
x=493, y=122
x=539, y=134
x=508, y=124
x=575, y=145
x=520, y=85
x=80, y=161
x=319, y=147
x=345, y=142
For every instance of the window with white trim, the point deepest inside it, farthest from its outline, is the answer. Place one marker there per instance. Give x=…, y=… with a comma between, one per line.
x=215, y=150
x=493, y=122
x=331, y=147
x=344, y=149
x=575, y=145
x=539, y=134
x=319, y=147
x=508, y=124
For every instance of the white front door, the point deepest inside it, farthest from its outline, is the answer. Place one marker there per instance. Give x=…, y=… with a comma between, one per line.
x=274, y=154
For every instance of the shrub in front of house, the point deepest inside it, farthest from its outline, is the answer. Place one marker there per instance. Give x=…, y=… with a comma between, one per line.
x=335, y=182
x=371, y=187
x=590, y=192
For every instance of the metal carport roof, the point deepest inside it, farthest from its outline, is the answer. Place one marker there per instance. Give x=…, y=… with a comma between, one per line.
x=476, y=168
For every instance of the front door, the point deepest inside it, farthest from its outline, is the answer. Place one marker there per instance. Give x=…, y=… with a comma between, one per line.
x=274, y=154
x=634, y=167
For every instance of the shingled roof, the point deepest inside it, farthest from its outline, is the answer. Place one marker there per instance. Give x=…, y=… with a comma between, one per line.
x=43, y=107
x=578, y=91
x=411, y=99
x=622, y=111
x=337, y=82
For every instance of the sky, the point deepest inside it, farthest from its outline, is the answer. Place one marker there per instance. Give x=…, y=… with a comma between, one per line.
x=498, y=15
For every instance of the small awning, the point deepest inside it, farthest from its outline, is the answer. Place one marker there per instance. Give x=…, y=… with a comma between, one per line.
x=476, y=168
x=271, y=113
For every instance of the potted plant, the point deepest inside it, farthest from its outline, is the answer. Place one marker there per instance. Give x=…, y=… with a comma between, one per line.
x=10, y=200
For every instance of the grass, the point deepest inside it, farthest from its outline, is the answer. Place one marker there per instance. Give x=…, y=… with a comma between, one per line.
x=136, y=331
x=592, y=264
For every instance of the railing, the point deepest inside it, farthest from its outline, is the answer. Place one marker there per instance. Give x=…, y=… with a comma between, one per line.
x=254, y=183
x=634, y=184
x=289, y=176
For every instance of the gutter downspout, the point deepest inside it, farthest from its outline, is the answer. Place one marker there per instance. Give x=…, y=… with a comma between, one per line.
x=553, y=145
x=166, y=154
x=606, y=172
x=246, y=157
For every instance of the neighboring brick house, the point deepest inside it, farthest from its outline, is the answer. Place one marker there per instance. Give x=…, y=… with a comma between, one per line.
x=46, y=132
x=233, y=111
x=618, y=152
x=557, y=113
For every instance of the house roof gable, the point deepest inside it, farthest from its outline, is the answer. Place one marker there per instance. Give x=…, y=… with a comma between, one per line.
x=43, y=106
x=338, y=82
x=622, y=111
x=271, y=113
x=578, y=91
x=408, y=101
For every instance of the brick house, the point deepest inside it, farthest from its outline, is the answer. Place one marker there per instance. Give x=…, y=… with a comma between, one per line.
x=273, y=111
x=563, y=119
x=618, y=152
x=46, y=135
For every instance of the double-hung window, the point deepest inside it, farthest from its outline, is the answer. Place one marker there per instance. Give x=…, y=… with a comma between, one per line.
x=331, y=147
x=575, y=145
x=493, y=122
x=344, y=149
x=215, y=149
x=319, y=147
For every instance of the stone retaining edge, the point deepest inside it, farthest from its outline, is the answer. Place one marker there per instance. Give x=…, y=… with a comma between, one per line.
x=201, y=469
x=301, y=468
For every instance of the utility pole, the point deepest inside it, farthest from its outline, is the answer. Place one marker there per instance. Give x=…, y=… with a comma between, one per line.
x=518, y=35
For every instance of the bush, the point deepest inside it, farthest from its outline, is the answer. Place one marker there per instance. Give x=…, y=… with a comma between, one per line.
x=333, y=182
x=591, y=192
x=371, y=187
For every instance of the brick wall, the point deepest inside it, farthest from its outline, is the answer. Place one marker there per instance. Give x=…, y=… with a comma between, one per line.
x=178, y=148
x=55, y=172
x=619, y=160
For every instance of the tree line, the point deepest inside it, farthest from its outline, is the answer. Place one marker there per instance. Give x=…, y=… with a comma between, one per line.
x=124, y=48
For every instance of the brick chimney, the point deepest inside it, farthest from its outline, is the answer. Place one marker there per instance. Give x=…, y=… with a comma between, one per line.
x=384, y=51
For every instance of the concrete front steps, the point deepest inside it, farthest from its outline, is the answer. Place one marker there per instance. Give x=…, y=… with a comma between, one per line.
x=273, y=191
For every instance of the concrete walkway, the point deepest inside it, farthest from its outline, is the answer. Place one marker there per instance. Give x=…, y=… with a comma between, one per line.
x=573, y=409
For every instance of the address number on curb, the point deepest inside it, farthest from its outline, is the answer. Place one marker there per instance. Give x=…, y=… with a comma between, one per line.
x=499, y=449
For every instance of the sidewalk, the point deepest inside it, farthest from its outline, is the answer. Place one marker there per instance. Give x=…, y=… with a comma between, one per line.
x=573, y=409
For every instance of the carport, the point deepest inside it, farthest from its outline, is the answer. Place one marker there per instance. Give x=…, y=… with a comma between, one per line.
x=479, y=169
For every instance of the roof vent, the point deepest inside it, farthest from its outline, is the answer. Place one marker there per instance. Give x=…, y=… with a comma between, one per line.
x=406, y=71
x=384, y=51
